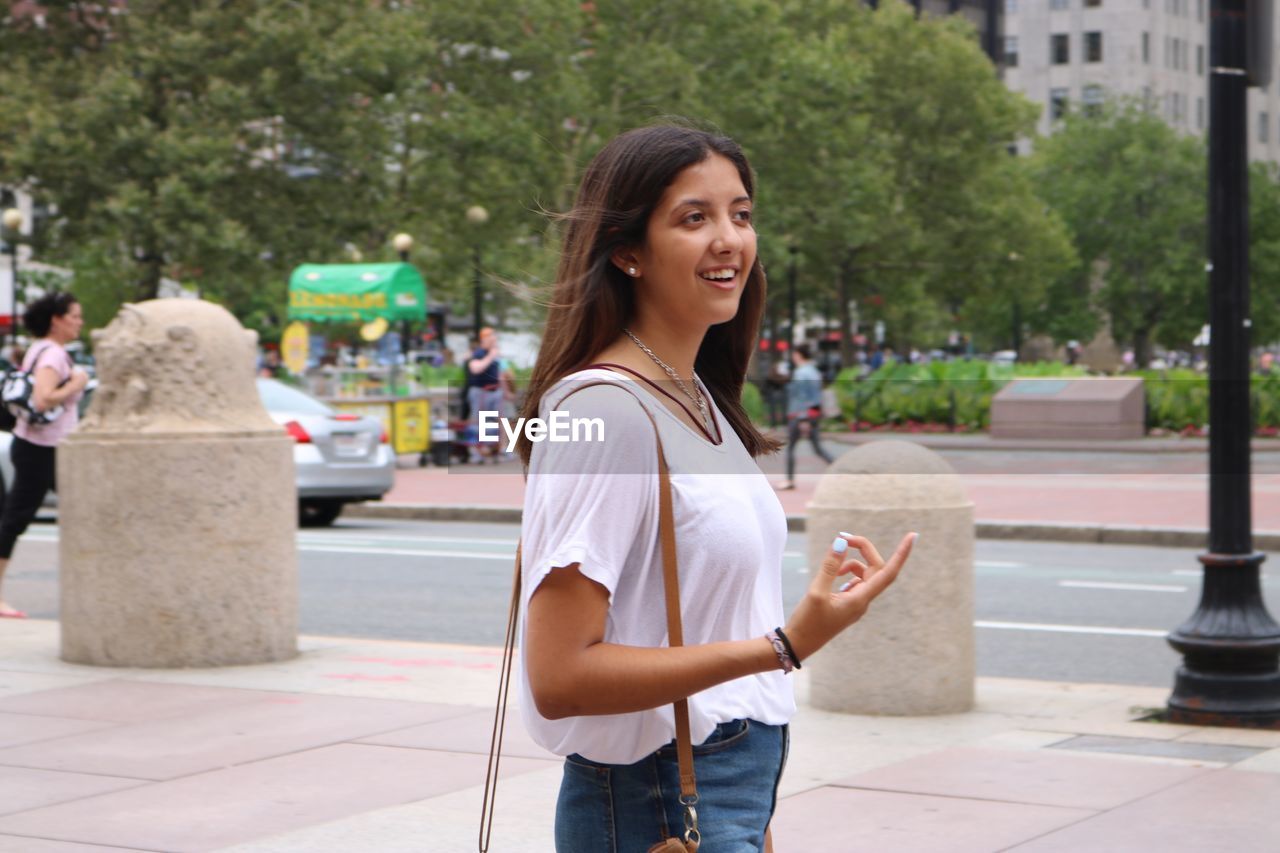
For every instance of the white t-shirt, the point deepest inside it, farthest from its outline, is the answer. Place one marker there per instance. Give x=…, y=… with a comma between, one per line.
x=596, y=504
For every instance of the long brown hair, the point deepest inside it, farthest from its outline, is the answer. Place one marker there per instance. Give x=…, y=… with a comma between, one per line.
x=593, y=300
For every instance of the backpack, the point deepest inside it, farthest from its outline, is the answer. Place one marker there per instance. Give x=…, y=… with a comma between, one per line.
x=16, y=390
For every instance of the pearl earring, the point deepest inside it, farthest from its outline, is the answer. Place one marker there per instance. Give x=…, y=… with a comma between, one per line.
x=631, y=270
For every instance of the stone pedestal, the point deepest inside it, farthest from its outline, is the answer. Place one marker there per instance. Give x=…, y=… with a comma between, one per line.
x=1111, y=408
x=913, y=652
x=177, y=504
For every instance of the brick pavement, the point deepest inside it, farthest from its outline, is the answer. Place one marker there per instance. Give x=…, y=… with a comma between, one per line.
x=361, y=745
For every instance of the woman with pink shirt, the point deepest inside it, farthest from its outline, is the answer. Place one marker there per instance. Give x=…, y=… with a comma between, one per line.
x=55, y=320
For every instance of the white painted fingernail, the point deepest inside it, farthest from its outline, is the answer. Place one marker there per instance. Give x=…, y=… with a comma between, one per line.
x=840, y=545
x=842, y=533
x=914, y=538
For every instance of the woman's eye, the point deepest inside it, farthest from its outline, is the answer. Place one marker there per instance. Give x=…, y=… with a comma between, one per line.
x=743, y=215
x=694, y=217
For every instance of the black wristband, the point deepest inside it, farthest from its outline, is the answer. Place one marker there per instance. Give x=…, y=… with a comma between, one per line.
x=790, y=651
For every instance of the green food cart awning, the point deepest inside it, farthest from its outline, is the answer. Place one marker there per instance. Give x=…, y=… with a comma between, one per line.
x=356, y=292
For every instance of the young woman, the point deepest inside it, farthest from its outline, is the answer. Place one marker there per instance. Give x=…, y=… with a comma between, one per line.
x=659, y=295
x=55, y=320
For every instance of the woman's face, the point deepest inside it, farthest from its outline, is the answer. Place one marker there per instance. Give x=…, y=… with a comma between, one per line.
x=699, y=247
x=68, y=326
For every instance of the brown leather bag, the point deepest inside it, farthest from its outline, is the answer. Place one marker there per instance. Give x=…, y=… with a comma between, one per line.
x=691, y=838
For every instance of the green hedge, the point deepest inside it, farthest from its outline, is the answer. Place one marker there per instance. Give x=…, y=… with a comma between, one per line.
x=941, y=392
x=937, y=393
x=753, y=403
x=1178, y=400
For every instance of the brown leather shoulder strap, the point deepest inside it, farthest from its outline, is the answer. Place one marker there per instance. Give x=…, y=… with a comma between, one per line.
x=675, y=637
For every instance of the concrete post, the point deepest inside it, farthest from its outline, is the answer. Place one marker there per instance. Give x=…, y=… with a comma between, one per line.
x=913, y=653
x=177, y=504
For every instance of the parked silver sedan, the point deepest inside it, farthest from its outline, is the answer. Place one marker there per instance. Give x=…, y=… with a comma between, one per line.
x=338, y=458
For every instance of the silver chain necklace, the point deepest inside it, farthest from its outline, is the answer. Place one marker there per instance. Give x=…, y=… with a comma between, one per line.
x=696, y=395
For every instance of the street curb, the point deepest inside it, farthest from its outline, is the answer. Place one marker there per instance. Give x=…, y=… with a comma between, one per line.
x=984, y=442
x=1101, y=534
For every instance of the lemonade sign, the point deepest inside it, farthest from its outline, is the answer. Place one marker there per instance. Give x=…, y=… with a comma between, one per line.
x=295, y=346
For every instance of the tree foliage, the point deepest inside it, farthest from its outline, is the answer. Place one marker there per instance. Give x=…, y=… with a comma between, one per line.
x=222, y=143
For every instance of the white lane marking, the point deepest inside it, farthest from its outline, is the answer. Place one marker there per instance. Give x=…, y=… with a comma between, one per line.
x=338, y=539
x=1191, y=573
x=1135, y=587
x=407, y=552
x=1072, y=629
x=997, y=564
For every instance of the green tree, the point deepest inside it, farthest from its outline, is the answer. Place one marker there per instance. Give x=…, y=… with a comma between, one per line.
x=1132, y=191
x=1264, y=252
x=898, y=182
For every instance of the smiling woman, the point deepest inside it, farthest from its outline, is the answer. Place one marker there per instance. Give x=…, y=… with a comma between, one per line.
x=666, y=526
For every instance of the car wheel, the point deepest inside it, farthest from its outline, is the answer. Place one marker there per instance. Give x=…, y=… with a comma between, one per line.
x=316, y=513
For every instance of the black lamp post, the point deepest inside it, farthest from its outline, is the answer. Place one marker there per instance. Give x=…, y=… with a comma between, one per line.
x=12, y=221
x=1015, y=319
x=791, y=297
x=1230, y=674
x=477, y=216
x=403, y=243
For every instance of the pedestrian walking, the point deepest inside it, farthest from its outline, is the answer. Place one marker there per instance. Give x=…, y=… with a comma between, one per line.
x=54, y=320
x=804, y=411
x=656, y=308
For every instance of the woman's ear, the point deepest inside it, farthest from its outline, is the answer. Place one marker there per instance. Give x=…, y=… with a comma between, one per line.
x=626, y=260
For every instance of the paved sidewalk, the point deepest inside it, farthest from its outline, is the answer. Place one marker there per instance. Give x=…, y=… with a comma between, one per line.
x=360, y=745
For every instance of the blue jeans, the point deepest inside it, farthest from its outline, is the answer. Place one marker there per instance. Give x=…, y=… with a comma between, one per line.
x=627, y=808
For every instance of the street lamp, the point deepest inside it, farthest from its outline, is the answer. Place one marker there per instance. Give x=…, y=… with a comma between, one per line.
x=477, y=216
x=12, y=221
x=1230, y=645
x=402, y=243
x=791, y=295
x=1015, y=321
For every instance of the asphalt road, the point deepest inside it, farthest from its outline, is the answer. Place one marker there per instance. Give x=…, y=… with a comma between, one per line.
x=1054, y=611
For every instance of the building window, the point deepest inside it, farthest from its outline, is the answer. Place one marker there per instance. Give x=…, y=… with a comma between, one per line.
x=1060, y=49
x=1200, y=10
x=1146, y=48
x=1057, y=103
x=1264, y=127
x=1200, y=59
x=1093, y=47
x=1200, y=113
x=1059, y=5
x=1092, y=4
x=1092, y=99
x=1011, y=51
x=1177, y=54
x=1010, y=6
x=1168, y=52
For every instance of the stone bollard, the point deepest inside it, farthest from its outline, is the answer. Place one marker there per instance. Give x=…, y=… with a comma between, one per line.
x=913, y=652
x=177, y=504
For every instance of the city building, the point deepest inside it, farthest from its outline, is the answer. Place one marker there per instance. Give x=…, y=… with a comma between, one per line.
x=983, y=14
x=1060, y=52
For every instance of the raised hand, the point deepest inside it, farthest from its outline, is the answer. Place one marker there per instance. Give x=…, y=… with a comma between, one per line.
x=826, y=611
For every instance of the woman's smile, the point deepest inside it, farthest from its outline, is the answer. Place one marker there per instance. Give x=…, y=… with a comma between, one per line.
x=722, y=277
